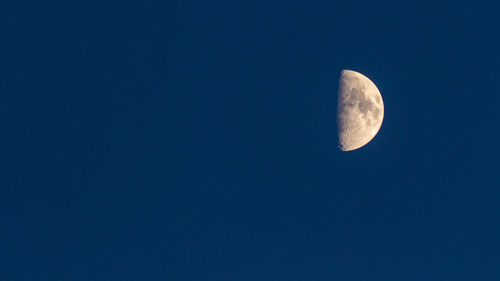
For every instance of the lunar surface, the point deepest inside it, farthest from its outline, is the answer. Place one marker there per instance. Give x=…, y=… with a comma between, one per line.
x=360, y=110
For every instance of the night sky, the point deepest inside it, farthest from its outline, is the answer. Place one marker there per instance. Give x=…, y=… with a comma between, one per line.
x=196, y=140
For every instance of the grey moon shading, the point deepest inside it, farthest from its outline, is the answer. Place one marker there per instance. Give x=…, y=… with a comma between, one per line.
x=360, y=110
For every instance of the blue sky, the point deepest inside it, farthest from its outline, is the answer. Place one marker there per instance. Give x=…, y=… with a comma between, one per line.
x=197, y=141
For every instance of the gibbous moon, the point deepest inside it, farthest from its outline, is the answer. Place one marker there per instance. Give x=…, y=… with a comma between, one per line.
x=360, y=110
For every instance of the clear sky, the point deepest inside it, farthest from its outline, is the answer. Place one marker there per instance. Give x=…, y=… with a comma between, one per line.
x=196, y=140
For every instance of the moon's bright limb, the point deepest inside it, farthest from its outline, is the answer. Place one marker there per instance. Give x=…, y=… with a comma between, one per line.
x=360, y=110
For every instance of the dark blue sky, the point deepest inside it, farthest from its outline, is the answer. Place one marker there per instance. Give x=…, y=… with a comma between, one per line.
x=197, y=141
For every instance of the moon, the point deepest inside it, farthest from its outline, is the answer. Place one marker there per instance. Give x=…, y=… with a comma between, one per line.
x=360, y=110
